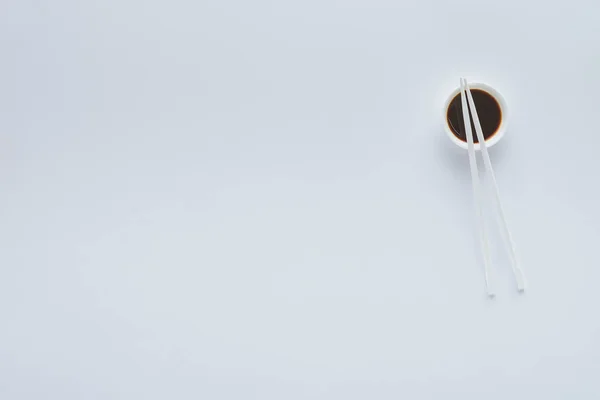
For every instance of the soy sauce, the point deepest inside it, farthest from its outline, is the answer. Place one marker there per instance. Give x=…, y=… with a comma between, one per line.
x=488, y=110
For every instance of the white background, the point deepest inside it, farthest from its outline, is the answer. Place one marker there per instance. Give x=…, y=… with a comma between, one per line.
x=238, y=199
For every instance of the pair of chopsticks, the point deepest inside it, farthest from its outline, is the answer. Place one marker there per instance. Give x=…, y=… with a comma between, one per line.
x=520, y=278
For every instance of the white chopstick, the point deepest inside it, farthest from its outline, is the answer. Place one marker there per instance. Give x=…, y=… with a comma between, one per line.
x=519, y=276
x=476, y=189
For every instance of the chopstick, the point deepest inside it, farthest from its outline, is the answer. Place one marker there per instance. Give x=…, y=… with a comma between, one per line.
x=476, y=188
x=519, y=276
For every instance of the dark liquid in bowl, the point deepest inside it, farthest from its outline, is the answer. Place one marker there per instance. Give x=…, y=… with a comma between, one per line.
x=488, y=110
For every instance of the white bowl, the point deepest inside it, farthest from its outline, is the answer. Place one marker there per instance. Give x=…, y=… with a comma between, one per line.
x=495, y=138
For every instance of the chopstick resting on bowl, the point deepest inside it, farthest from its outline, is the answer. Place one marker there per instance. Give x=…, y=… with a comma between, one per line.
x=519, y=276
